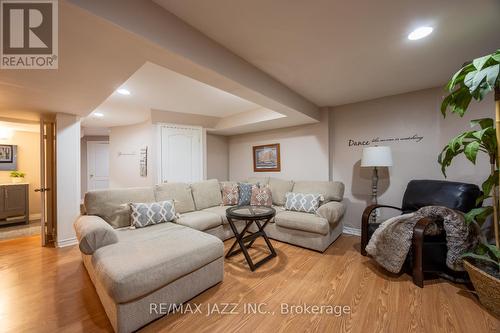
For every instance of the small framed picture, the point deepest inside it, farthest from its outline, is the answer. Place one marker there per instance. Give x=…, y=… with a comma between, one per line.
x=266, y=158
x=6, y=154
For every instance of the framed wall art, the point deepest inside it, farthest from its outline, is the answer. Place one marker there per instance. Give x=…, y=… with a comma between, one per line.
x=266, y=158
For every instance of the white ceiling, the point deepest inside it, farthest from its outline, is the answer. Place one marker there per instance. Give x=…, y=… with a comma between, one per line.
x=159, y=88
x=337, y=52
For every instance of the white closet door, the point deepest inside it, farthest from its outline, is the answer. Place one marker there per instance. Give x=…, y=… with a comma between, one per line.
x=181, y=154
x=97, y=165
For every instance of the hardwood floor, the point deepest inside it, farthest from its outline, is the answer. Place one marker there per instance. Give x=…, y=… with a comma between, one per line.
x=47, y=290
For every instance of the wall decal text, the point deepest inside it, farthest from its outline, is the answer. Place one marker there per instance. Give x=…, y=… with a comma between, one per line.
x=413, y=138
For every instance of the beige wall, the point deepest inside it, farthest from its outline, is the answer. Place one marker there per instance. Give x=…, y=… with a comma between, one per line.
x=83, y=159
x=217, y=157
x=398, y=116
x=124, y=169
x=28, y=161
x=304, y=152
x=321, y=151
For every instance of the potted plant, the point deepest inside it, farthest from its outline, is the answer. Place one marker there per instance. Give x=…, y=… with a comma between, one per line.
x=476, y=80
x=17, y=177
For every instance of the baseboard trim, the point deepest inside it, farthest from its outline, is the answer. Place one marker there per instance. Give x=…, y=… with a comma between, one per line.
x=352, y=231
x=67, y=242
x=36, y=216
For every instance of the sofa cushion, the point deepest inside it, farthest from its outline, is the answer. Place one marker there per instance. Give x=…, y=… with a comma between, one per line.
x=261, y=196
x=145, y=214
x=302, y=221
x=146, y=259
x=258, y=180
x=332, y=211
x=179, y=192
x=219, y=210
x=93, y=233
x=230, y=194
x=331, y=191
x=303, y=202
x=200, y=220
x=206, y=194
x=112, y=205
x=245, y=193
x=279, y=188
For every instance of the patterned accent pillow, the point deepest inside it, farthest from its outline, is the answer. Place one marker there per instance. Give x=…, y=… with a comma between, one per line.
x=144, y=214
x=302, y=202
x=230, y=194
x=245, y=193
x=261, y=196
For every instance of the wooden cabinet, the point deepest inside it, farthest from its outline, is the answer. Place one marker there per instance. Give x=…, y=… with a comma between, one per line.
x=14, y=203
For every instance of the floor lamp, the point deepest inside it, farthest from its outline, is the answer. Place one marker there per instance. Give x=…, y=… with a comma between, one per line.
x=376, y=157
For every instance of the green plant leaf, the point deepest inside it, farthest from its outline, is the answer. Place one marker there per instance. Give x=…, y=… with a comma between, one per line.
x=474, y=80
x=479, y=257
x=471, y=151
x=479, y=62
x=487, y=187
x=494, y=251
x=496, y=56
x=492, y=73
x=482, y=122
x=478, y=214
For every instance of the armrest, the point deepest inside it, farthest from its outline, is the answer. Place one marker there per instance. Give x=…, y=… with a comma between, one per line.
x=93, y=233
x=365, y=219
x=332, y=211
x=418, y=244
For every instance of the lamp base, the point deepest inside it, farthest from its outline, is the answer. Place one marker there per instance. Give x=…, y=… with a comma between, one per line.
x=374, y=214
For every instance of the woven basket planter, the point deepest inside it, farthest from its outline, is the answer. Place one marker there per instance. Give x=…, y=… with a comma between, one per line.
x=487, y=287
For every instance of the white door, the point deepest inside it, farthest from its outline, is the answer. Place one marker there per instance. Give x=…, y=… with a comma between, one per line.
x=97, y=165
x=181, y=154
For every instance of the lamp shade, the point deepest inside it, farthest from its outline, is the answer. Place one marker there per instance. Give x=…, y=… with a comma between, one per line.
x=376, y=157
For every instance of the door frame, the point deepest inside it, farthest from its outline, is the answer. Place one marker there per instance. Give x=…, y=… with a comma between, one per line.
x=48, y=182
x=159, y=148
x=88, y=150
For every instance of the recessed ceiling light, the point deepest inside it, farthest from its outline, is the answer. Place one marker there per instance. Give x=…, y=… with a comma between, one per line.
x=420, y=32
x=123, y=91
x=98, y=114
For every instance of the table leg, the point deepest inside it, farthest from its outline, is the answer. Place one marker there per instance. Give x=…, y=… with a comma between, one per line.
x=235, y=231
x=239, y=240
x=264, y=235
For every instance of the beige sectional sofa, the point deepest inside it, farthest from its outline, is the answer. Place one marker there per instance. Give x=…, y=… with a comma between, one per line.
x=170, y=263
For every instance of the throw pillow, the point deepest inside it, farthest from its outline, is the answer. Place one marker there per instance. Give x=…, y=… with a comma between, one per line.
x=144, y=214
x=302, y=202
x=230, y=194
x=261, y=196
x=245, y=194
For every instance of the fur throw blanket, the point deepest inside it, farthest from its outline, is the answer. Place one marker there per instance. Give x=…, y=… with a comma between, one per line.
x=391, y=242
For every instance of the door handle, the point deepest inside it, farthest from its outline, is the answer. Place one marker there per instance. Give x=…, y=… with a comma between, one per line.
x=43, y=189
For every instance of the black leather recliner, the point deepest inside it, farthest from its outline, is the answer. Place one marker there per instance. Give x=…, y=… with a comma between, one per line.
x=428, y=253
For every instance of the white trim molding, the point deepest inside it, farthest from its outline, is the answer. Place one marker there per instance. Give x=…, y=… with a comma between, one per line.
x=67, y=242
x=352, y=231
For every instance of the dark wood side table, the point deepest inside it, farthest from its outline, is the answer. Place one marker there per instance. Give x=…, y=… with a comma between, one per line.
x=250, y=214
